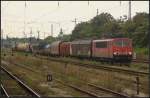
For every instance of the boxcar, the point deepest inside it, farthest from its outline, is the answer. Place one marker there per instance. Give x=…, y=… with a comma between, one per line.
x=55, y=48
x=65, y=49
x=81, y=48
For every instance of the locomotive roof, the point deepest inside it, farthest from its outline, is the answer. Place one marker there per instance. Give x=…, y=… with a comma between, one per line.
x=110, y=39
x=102, y=40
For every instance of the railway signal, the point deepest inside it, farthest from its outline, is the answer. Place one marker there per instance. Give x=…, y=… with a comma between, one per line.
x=49, y=77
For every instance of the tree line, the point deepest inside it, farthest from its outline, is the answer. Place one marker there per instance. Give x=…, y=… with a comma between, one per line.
x=104, y=26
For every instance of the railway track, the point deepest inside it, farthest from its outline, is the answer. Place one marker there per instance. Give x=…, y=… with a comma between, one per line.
x=97, y=91
x=100, y=91
x=108, y=68
x=25, y=67
x=141, y=61
x=31, y=92
x=133, y=60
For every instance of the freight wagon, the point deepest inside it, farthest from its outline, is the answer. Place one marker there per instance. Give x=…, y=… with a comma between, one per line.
x=81, y=48
x=65, y=49
x=55, y=48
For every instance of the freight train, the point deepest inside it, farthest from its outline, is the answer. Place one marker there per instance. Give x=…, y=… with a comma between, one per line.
x=109, y=50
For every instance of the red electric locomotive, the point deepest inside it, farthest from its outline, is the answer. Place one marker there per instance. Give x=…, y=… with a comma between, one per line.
x=114, y=50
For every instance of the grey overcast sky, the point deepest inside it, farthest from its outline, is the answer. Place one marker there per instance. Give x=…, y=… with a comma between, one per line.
x=39, y=15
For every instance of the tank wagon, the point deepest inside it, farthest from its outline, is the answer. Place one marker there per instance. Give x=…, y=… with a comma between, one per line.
x=23, y=47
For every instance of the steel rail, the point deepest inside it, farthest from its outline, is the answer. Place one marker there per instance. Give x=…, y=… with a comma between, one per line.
x=83, y=91
x=21, y=83
x=4, y=90
x=141, y=61
x=79, y=89
x=108, y=90
x=25, y=67
x=110, y=68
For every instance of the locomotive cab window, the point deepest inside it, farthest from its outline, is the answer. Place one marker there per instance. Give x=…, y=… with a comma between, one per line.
x=101, y=44
x=121, y=43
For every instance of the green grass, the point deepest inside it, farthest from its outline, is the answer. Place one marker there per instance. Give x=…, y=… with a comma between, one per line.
x=142, y=53
x=73, y=73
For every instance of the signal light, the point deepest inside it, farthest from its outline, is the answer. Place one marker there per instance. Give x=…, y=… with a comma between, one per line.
x=115, y=53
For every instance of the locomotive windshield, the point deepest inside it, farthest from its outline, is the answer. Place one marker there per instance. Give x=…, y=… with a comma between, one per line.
x=121, y=43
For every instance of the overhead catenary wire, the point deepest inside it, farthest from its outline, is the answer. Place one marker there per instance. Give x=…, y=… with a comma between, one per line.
x=53, y=11
x=59, y=23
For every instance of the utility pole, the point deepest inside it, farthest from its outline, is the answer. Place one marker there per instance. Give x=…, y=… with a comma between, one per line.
x=44, y=35
x=38, y=34
x=97, y=12
x=51, y=30
x=30, y=35
x=129, y=17
x=2, y=38
x=58, y=3
x=120, y=12
x=75, y=21
x=88, y=3
x=24, y=20
x=61, y=34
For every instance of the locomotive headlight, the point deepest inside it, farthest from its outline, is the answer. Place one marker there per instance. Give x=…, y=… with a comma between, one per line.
x=115, y=53
x=130, y=53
